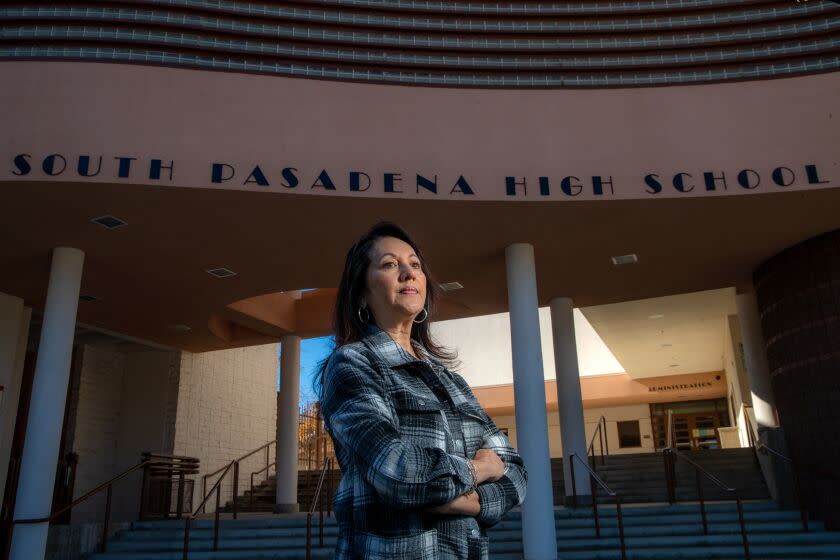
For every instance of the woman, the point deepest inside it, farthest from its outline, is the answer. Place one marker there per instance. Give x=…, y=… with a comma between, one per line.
x=425, y=470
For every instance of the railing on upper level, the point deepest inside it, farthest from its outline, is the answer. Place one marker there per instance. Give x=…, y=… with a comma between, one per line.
x=593, y=480
x=159, y=477
x=604, y=446
x=236, y=466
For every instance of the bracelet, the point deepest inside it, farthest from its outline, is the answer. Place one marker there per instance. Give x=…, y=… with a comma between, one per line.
x=474, y=475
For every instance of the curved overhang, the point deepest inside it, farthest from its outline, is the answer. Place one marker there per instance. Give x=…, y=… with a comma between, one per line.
x=701, y=182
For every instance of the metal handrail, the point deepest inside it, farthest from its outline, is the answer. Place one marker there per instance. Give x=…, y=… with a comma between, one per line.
x=265, y=468
x=265, y=446
x=671, y=454
x=761, y=448
x=204, y=478
x=318, y=500
x=192, y=516
x=604, y=444
x=108, y=484
x=593, y=479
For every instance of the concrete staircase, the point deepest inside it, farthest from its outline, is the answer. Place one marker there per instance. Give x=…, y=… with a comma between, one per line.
x=640, y=478
x=652, y=532
x=265, y=493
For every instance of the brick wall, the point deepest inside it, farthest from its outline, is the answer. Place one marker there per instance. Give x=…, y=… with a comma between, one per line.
x=215, y=406
x=96, y=425
x=226, y=408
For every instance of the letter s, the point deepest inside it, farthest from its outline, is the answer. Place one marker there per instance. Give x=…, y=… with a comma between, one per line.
x=23, y=166
x=655, y=186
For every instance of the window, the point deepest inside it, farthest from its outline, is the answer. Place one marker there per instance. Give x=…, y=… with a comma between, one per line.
x=629, y=434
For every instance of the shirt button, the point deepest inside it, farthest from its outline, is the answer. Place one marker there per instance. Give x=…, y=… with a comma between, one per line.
x=458, y=443
x=475, y=532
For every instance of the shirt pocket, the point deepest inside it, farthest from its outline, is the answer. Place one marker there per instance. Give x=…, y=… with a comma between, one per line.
x=420, y=546
x=421, y=419
x=473, y=423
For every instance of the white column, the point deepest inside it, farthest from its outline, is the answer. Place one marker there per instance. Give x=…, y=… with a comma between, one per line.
x=755, y=355
x=46, y=408
x=288, y=413
x=14, y=333
x=569, y=399
x=539, y=541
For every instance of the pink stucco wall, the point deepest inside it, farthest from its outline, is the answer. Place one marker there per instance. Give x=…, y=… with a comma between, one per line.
x=192, y=119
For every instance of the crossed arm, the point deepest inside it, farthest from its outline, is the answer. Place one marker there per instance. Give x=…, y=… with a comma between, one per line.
x=361, y=420
x=499, y=493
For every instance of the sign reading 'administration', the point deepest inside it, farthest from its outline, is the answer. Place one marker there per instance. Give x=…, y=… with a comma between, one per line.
x=288, y=178
x=680, y=386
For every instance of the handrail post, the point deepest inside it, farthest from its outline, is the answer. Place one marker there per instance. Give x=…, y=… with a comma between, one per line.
x=251, y=495
x=606, y=439
x=743, y=528
x=321, y=522
x=144, y=490
x=669, y=481
x=309, y=536
x=702, y=502
x=235, y=488
x=332, y=487
x=216, y=519
x=601, y=438
x=204, y=493
x=180, y=508
x=187, y=538
x=107, y=519
x=802, y=510
x=620, y=527
x=574, y=486
x=595, y=508
x=672, y=469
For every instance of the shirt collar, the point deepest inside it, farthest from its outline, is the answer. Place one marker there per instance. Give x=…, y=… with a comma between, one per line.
x=392, y=353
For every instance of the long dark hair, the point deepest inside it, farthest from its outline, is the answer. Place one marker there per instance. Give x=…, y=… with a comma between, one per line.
x=349, y=327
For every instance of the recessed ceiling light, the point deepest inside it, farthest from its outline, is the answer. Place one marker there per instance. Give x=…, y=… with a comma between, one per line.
x=221, y=272
x=656, y=316
x=625, y=259
x=109, y=222
x=179, y=328
x=665, y=345
x=88, y=297
x=674, y=365
x=449, y=286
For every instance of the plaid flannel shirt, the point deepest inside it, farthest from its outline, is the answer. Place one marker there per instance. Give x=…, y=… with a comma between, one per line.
x=403, y=431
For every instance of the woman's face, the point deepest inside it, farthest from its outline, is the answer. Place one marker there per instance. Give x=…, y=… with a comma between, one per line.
x=396, y=283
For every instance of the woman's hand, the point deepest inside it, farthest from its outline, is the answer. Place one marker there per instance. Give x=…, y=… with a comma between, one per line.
x=488, y=466
x=465, y=504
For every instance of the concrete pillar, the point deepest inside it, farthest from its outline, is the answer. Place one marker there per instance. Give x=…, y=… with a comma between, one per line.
x=755, y=355
x=14, y=333
x=46, y=409
x=539, y=539
x=288, y=414
x=569, y=399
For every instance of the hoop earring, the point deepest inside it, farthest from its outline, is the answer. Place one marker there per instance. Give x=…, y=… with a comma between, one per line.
x=367, y=314
x=426, y=316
